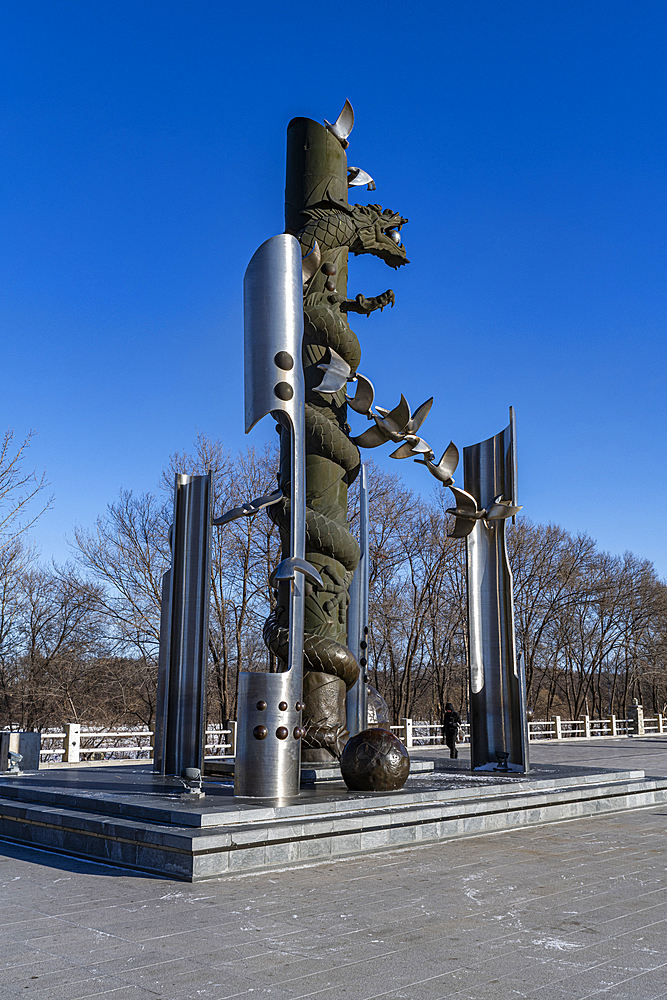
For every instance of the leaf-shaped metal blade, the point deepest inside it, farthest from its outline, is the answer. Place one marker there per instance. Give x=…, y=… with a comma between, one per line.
x=335, y=374
x=405, y=451
x=462, y=528
x=420, y=416
x=501, y=508
x=370, y=438
x=400, y=415
x=356, y=177
x=363, y=398
x=249, y=508
x=465, y=502
x=343, y=125
x=449, y=461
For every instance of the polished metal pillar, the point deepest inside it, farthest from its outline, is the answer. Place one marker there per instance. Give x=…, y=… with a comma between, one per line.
x=498, y=726
x=268, y=748
x=357, y=619
x=180, y=710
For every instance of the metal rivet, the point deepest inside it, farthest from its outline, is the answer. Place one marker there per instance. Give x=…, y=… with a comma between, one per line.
x=328, y=268
x=284, y=391
x=365, y=629
x=283, y=706
x=363, y=644
x=299, y=706
x=284, y=360
x=260, y=732
x=298, y=732
x=261, y=705
x=363, y=661
x=282, y=732
x=330, y=285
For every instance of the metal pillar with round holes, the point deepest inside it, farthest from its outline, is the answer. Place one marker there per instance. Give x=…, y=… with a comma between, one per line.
x=268, y=749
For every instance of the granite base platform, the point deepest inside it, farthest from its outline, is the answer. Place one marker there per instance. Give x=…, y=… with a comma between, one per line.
x=129, y=817
x=311, y=774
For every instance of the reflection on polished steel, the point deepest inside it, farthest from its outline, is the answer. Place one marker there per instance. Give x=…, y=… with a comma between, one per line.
x=497, y=685
x=357, y=619
x=180, y=708
x=268, y=749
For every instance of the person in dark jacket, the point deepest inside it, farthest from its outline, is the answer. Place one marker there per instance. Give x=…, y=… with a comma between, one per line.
x=452, y=721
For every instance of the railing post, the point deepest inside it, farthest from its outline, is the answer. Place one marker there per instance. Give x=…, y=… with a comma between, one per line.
x=232, y=739
x=407, y=729
x=661, y=723
x=636, y=716
x=72, y=743
x=614, y=730
x=559, y=729
x=587, y=727
x=152, y=744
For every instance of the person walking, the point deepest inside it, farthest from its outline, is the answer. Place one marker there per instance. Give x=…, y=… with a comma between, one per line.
x=452, y=721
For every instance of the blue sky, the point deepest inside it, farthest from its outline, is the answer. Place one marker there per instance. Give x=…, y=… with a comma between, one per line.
x=143, y=163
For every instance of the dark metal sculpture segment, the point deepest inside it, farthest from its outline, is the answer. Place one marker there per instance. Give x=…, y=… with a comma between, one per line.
x=497, y=687
x=357, y=618
x=317, y=213
x=180, y=717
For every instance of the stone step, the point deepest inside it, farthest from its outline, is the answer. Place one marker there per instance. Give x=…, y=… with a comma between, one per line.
x=155, y=831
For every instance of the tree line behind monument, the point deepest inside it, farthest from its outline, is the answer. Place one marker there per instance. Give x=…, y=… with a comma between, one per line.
x=79, y=642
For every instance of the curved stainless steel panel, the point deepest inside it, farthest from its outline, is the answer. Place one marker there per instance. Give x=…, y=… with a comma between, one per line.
x=180, y=722
x=497, y=686
x=273, y=326
x=266, y=767
x=273, y=331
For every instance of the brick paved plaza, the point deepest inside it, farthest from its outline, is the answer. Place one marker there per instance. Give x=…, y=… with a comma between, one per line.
x=569, y=910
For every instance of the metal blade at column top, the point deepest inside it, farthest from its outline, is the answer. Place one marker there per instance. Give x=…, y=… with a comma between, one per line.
x=273, y=331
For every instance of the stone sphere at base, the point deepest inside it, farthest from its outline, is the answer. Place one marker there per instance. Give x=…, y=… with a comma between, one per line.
x=374, y=761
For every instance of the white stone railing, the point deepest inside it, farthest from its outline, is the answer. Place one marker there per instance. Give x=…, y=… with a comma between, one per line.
x=416, y=734
x=81, y=744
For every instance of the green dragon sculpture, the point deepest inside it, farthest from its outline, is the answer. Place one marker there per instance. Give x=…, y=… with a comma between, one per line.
x=329, y=229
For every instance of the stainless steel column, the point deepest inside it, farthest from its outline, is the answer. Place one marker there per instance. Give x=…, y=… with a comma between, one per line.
x=497, y=684
x=357, y=618
x=180, y=710
x=268, y=748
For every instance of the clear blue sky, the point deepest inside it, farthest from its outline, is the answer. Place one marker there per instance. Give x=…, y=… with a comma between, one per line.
x=143, y=163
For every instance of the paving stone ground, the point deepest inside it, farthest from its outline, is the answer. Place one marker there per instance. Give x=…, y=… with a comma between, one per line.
x=566, y=911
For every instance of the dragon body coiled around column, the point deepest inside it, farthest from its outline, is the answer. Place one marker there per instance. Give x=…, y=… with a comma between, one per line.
x=331, y=230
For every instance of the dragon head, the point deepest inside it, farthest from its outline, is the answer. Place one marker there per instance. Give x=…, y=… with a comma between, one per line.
x=378, y=233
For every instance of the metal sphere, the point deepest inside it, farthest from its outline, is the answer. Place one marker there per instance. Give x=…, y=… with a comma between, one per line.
x=374, y=761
